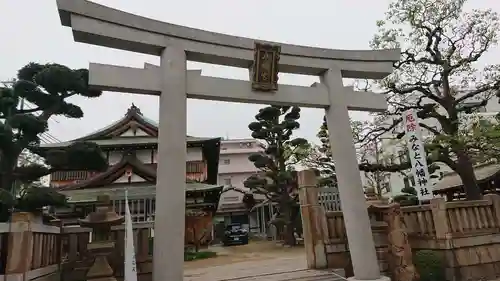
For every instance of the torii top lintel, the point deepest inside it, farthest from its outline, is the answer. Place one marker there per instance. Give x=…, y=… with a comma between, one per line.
x=100, y=25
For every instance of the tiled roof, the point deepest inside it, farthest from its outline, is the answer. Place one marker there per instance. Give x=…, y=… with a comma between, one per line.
x=134, y=192
x=453, y=180
x=109, y=135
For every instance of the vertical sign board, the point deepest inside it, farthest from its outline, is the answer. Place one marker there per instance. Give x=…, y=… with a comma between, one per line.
x=265, y=67
x=417, y=155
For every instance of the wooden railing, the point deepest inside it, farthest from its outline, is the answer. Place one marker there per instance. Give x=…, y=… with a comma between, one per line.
x=472, y=217
x=75, y=252
x=46, y=248
x=439, y=219
x=419, y=220
x=336, y=226
x=29, y=248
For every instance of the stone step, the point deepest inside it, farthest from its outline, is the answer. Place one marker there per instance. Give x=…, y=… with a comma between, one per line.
x=299, y=275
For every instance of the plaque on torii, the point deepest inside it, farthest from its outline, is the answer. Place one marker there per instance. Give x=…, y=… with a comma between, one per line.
x=265, y=67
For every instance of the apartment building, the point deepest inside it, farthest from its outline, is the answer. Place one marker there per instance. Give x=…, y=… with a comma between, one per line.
x=234, y=166
x=234, y=169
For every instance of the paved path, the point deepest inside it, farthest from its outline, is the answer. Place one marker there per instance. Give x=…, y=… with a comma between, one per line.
x=278, y=269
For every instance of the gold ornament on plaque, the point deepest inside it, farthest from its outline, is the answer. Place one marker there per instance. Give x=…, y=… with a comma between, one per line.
x=265, y=67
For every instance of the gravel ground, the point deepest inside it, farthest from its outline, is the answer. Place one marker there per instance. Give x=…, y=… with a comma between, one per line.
x=258, y=261
x=262, y=250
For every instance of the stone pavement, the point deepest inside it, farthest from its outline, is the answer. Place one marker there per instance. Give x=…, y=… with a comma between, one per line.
x=279, y=269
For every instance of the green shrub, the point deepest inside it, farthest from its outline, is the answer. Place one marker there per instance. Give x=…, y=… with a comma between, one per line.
x=406, y=199
x=191, y=256
x=429, y=265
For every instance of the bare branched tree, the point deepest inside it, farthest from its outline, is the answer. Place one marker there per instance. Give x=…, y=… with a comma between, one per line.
x=438, y=76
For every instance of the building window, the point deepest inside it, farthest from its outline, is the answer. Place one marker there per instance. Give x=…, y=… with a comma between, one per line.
x=246, y=144
x=194, y=167
x=226, y=161
x=69, y=175
x=227, y=181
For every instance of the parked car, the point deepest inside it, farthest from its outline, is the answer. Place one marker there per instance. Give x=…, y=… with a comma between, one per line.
x=235, y=234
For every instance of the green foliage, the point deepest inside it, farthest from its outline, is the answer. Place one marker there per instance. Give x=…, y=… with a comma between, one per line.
x=438, y=77
x=275, y=126
x=7, y=199
x=409, y=190
x=430, y=266
x=277, y=181
x=47, y=88
x=406, y=199
x=77, y=156
x=191, y=256
x=35, y=198
x=376, y=164
x=323, y=161
x=481, y=137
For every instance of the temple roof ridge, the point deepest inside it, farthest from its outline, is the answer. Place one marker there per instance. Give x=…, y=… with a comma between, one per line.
x=133, y=110
x=133, y=118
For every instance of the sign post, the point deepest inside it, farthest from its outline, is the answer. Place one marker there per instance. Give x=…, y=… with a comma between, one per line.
x=417, y=155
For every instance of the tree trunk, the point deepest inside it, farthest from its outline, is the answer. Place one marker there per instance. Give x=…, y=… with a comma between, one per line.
x=465, y=170
x=290, y=234
x=7, y=165
x=289, y=224
x=6, y=171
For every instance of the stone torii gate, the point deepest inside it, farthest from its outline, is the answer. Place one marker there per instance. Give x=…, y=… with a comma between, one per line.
x=100, y=25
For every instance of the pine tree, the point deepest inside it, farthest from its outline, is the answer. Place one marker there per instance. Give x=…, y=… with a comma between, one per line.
x=277, y=180
x=47, y=88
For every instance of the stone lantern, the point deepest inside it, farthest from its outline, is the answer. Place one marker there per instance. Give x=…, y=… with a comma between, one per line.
x=101, y=221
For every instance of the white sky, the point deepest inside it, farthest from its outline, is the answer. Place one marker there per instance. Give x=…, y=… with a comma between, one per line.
x=31, y=31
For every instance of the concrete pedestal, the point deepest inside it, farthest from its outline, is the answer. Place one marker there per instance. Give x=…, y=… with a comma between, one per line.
x=381, y=278
x=168, y=259
x=357, y=223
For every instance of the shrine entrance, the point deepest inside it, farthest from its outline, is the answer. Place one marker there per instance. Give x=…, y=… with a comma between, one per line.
x=100, y=25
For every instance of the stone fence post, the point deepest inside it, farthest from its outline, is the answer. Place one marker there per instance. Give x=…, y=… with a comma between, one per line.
x=313, y=220
x=20, y=249
x=438, y=206
x=495, y=203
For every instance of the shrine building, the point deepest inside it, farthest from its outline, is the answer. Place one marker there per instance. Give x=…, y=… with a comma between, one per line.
x=130, y=147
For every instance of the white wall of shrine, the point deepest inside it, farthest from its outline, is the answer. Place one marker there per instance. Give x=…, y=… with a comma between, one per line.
x=193, y=154
x=133, y=179
x=134, y=133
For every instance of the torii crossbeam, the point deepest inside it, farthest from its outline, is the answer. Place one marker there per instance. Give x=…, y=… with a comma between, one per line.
x=100, y=25
x=148, y=80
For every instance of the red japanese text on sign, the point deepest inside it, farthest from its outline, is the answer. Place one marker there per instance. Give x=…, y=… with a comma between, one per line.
x=410, y=118
x=411, y=127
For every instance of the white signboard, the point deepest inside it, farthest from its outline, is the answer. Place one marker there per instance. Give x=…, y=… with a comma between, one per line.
x=417, y=155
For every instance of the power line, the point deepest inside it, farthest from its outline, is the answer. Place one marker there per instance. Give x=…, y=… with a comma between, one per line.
x=45, y=136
